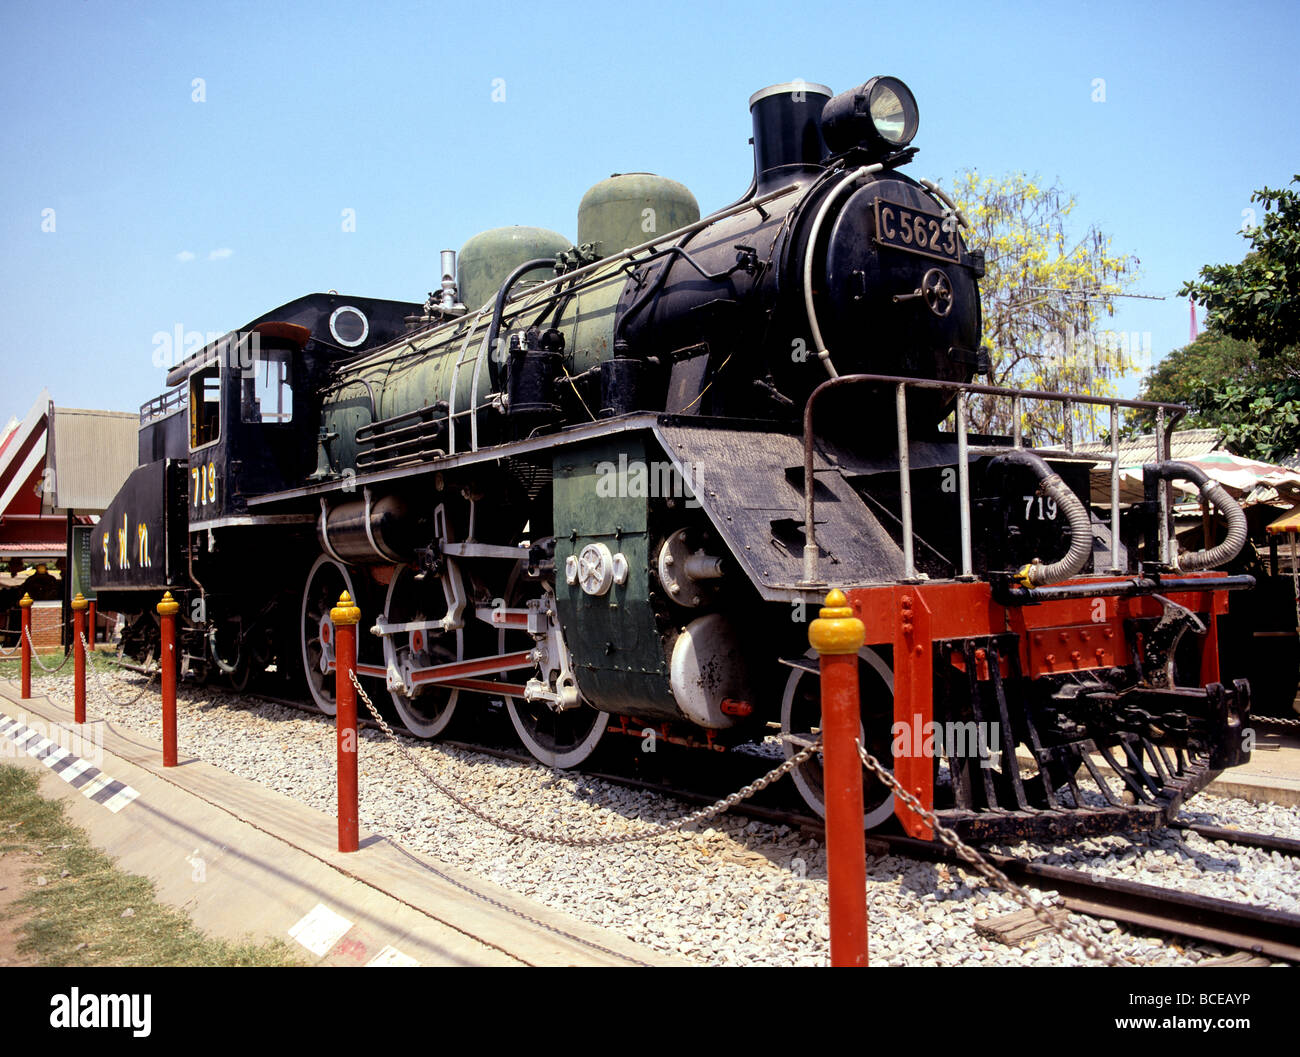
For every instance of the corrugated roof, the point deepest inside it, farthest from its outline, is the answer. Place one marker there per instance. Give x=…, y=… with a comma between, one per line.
x=91, y=453
x=1183, y=444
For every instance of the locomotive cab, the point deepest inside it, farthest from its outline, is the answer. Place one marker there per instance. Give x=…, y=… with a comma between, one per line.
x=252, y=397
x=244, y=436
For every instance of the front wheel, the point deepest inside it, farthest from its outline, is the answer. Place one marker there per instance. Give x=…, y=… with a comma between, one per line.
x=801, y=710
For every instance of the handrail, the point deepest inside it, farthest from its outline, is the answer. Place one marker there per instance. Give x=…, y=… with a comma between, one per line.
x=165, y=404
x=1167, y=416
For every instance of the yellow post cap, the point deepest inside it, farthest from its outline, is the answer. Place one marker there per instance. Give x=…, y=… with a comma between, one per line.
x=837, y=630
x=25, y=601
x=79, y=603
x=345, y=612
x=168, y=607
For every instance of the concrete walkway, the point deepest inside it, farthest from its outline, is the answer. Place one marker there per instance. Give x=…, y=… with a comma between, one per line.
x=243, y=860
x=1272, y=776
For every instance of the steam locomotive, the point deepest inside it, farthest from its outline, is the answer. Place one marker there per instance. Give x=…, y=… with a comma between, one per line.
x=606, y=483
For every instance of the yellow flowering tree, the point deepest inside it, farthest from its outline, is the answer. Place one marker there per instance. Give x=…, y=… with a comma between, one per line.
x=1046, y=293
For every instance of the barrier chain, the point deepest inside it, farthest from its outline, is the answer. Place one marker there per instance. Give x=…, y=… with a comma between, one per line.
x=15, y=647
x=659, y=830
x=37, y=657
x=991, y=872
x=99, y=685
x=1276, y=721
x=947, y=836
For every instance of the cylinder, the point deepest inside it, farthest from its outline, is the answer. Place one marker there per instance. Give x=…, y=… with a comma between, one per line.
x=365, y=532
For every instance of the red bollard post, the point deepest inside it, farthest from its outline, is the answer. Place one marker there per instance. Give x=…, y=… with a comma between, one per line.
x=167, y=610
x=79, y=605
x=90, y=631
x=25, y=603
x=837, y=636
x=345, y=617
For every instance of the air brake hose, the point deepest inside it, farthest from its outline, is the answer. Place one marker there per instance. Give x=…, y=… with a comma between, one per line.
x=1036, y=574
x=1216, y=494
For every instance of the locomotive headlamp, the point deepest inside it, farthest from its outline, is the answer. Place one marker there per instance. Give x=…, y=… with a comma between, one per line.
x=893, y=111
x=880, y=114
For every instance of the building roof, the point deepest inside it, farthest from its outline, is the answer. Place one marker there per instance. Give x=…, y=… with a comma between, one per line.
x=1183, y=444
x=92, y=453
x=21, y=456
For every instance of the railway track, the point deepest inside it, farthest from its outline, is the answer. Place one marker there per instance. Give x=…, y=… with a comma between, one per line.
x=1233, y=925
x=1239, y=926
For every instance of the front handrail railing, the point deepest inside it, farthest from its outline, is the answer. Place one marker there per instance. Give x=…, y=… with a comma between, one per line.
x=1167, y=416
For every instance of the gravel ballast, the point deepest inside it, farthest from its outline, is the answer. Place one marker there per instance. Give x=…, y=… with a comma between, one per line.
x=735, y=892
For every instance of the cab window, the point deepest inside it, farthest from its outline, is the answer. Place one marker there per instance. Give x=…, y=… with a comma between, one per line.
x=265, y=391
x=205, y=406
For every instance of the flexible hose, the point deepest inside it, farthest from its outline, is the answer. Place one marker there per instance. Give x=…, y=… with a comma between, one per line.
x=1036, y=574
x=229, y=669
x=1211, y=490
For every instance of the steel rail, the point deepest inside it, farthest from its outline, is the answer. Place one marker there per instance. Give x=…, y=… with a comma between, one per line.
x=1240, y=926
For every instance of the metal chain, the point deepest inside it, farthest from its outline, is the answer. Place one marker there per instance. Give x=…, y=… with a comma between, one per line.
x=991, y=872
x=946, y=835
x=717, y=808
x=99, y=685
x=37, y=658
x=1276, y=721
x=15, y=647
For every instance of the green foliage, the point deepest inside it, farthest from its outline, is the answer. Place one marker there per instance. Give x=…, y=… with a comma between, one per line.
x=1259, y=299
x=1045, y=296
x=1261, y=422
x=1191, y=375
x=1253, y=401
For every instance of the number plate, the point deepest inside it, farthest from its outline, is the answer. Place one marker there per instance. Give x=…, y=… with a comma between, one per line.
x=904, y=228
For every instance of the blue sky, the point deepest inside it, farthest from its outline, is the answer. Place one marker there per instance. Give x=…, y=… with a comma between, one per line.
x=387, y=110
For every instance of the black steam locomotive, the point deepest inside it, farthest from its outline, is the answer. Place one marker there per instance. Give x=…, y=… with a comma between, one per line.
x=603, y=482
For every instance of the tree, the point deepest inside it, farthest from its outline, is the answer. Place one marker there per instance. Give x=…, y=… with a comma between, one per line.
x=1259, y=299
x=1252, y=400
x=1045, y=295
x=1193, y=374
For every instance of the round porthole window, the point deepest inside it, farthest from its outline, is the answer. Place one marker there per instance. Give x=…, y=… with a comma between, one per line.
x=349, y=326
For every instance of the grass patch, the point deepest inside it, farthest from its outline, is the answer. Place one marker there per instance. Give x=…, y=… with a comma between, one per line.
x=11, y=668
x=78, y=919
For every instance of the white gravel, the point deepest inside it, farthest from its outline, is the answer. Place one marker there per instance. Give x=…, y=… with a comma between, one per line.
x=737, y=893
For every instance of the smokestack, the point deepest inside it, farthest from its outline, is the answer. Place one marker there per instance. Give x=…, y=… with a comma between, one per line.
x=787, y=132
